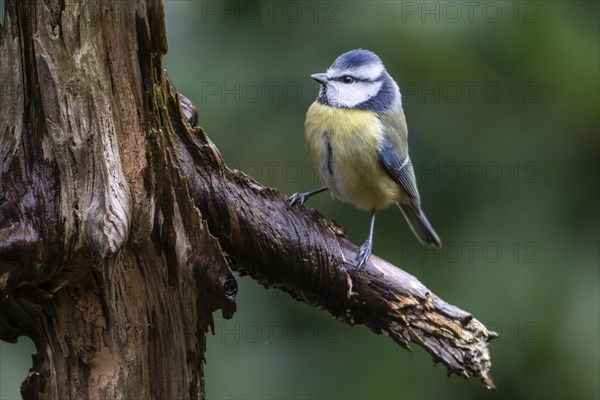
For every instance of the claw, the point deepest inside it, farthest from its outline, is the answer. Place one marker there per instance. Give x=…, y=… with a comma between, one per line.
x=365, y=249
x=298, y=198
x=364, y=253
x=302, y=197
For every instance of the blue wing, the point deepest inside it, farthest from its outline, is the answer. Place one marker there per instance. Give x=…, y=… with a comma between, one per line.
x=400, y=169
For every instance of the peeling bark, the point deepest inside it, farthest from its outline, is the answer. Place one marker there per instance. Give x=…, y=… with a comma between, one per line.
x=105, y=262
x=300, y=252
x=119, y=220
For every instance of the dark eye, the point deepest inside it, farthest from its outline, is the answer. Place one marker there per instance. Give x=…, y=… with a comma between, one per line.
x=347, y=79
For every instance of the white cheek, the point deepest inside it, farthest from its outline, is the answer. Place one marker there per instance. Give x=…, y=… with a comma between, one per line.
x=351, y=95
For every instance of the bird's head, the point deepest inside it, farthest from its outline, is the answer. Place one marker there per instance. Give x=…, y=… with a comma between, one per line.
x=358, y=80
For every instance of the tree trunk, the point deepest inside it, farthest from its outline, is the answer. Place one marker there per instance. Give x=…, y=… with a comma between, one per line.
x=105, y=262
x=119, y=220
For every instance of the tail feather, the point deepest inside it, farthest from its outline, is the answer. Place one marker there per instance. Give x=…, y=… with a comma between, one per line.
x=420, y=225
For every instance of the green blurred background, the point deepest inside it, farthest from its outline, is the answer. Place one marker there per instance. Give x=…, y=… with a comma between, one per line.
x=502, y=102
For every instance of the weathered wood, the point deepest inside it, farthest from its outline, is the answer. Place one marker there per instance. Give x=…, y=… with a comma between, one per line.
x=119, y=220
x=300, y=252
x=105, y=262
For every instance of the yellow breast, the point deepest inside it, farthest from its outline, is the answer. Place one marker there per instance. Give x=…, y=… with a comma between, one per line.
x=344, y=146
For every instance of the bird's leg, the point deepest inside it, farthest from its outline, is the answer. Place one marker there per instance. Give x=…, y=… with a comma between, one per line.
x=365, y=249
x=302, y=197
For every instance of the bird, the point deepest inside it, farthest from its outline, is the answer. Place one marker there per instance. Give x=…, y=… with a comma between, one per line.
x=357, y=137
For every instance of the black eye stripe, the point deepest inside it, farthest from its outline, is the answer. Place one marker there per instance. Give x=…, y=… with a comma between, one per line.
x=368, y=80
x=340, y=79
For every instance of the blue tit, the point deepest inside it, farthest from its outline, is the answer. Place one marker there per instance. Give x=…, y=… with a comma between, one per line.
x=356, y=135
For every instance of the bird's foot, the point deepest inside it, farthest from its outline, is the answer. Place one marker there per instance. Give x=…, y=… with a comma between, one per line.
x=299, y=198
x=302, y=197
x=364, y=253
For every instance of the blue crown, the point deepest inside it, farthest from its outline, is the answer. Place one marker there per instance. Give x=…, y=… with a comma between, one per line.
x=355, y=58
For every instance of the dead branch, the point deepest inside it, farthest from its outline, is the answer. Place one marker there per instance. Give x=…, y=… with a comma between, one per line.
x=300, y=252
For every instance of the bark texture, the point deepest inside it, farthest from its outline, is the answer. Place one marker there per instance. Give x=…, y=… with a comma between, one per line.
x=119, y=220
x=105, y=262
x=302, y=253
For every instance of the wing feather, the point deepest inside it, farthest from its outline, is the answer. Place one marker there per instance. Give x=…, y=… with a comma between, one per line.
x=400, y=169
